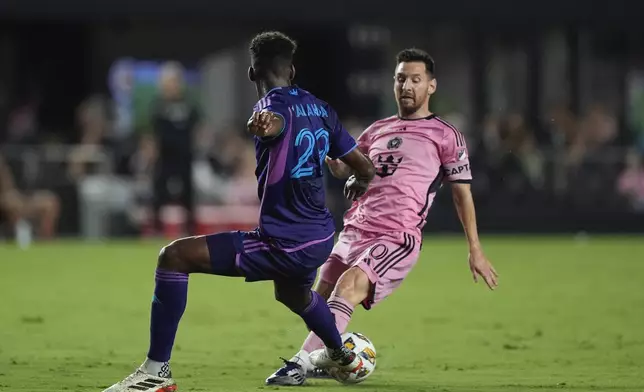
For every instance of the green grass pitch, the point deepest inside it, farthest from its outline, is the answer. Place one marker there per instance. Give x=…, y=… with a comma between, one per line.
x=569, y=315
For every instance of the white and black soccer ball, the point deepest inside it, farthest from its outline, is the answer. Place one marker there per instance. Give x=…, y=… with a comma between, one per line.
x=362, y=346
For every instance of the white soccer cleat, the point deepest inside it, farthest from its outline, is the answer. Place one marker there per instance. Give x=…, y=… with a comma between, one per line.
x=342, y=359
x=291, y=374
x=140, y=381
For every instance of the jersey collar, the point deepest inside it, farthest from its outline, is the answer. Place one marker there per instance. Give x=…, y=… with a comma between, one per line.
x=416, y=119
x=293, y=86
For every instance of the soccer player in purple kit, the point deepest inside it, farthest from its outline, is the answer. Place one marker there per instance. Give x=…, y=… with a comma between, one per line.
x=294, y=132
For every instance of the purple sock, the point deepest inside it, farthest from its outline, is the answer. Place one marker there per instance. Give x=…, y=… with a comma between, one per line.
x=168, y=304
x=320, y=320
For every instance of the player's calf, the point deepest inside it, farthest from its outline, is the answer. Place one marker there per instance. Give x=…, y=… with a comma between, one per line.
x=312, y=308
x=324, y=288
x=352, y=287
x=175, y=262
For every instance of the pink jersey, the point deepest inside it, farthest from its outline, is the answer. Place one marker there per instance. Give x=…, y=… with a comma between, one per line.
x=412, y=159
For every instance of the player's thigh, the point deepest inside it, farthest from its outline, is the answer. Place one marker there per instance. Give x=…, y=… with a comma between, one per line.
x=246, y=254
x=324, y=288
x=386, y=264
x=187, y=255
x=330, y=272
x=336, y=264
x=224, y=252
x=211, y=254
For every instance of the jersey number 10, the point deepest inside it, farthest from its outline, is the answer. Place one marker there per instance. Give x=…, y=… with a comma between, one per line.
x=311, y=141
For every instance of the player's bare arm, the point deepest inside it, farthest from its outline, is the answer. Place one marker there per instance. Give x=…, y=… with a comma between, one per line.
x=362, y=170
x=479, y=264
x=265, y=124
x=338, y=168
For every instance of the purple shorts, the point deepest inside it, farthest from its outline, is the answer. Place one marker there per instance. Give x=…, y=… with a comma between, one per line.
x=245, y=253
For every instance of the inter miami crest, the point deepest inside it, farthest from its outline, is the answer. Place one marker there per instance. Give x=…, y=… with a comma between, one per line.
x=388, y=166
x=394, y=143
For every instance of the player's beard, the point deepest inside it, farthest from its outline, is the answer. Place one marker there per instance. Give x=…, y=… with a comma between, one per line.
x=408, y=106
x=411, y=104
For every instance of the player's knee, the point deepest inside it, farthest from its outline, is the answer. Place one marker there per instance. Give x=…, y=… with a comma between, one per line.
x=187, y=255
x=296, y=301
x=353, y=286
x=173, y=257
x=324, y=288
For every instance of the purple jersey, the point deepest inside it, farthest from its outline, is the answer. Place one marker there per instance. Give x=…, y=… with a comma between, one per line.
x=290, y=166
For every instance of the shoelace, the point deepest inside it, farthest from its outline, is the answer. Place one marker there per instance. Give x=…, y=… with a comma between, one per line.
x=343, y=354
x=290, y=363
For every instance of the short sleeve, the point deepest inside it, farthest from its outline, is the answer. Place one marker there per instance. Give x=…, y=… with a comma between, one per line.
x=364, y=140
x=277, y=106
x=340, y=141
x=455, y=157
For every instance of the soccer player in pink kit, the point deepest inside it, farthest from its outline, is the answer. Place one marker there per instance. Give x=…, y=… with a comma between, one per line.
x=414, y=153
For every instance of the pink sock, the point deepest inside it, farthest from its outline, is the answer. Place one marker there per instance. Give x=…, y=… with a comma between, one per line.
x=342, y=311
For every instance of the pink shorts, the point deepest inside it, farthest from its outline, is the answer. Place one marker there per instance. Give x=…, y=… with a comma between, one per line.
x=385, y=258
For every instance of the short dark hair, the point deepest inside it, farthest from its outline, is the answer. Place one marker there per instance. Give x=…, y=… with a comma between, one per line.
x=417, y=55
x=272, y=51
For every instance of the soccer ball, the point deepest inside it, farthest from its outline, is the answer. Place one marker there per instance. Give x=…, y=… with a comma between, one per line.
x=361, y=345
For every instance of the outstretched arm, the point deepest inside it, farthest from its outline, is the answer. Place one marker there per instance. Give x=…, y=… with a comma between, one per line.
x=479, y=265
x=456, y=169
x=464, y=203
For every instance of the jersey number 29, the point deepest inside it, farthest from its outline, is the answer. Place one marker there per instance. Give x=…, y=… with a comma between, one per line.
x=312, y=142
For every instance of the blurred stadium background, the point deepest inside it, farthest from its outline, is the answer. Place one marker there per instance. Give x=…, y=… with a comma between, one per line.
x=549, y=94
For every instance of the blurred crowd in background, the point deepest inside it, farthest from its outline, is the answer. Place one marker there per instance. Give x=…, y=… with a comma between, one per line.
x=151, y=182
x=143, y=157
